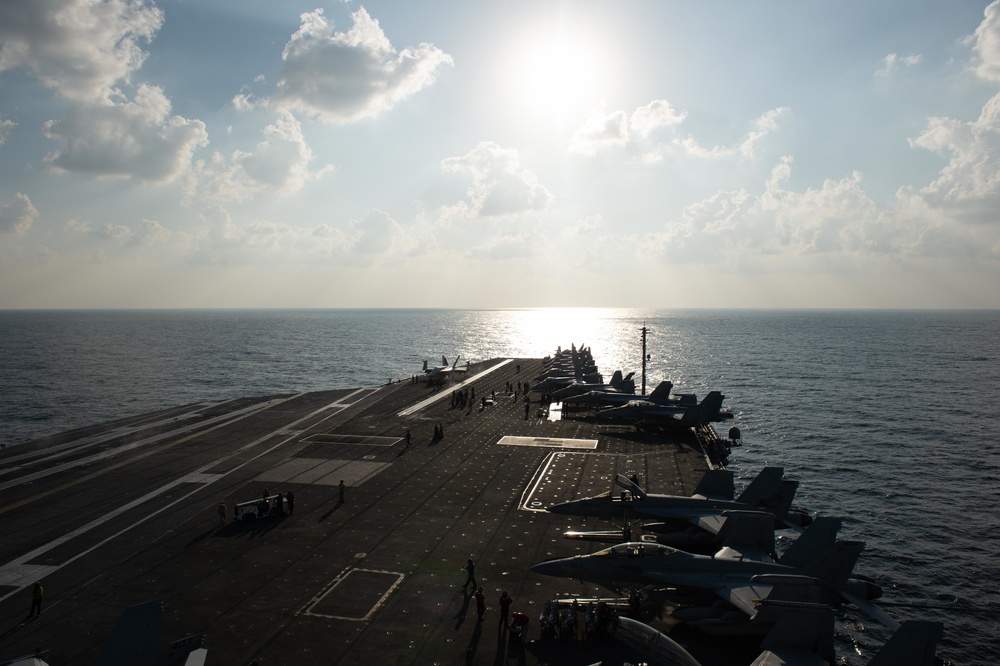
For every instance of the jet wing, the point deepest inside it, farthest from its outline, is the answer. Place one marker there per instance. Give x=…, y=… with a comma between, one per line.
x=710, y=522
x=745, y=595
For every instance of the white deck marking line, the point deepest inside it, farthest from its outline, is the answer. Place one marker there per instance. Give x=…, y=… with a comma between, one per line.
x=542, y=471
x=238, y=414
x=199, y=477
x=442, y=393
x=67, y=448
x=338, y=580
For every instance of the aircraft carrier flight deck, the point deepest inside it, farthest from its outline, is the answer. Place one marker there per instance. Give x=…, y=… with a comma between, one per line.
x=124, y=513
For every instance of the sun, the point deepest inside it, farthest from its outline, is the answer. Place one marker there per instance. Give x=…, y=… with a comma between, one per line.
x=556, y=72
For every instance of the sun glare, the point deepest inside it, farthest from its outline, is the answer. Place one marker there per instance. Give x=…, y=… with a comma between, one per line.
x=556, y=72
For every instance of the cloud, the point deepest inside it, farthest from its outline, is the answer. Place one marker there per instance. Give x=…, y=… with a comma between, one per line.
x=5, y=127
x=658, y=113
x=118, y=138
x=150, y=233
x=891, y=63
x=600, y=131
x=17, y=215
x=763, y=126
x=584, y=226
x=836, y=220
x=987, y=43
x=376, y=234
x=79, y=48
x=604, y=130
x=500, y=186
x=969, y=185
x=279, y=164
x=342, y=77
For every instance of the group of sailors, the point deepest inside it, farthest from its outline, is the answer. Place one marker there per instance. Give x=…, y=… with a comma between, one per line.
x=598, y=619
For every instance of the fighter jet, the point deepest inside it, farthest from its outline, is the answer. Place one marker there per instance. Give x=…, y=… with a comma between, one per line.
x=439, y=371
x=802, y=636
x=740, y=529
x=660, y=395
x=729, y=574
x=619, y=386
x=713, y=496
x=645, y=414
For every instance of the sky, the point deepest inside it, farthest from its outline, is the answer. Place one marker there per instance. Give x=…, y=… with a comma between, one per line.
x=277, y=153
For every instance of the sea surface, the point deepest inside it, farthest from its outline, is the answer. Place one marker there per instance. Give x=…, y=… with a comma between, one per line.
x=888, y=418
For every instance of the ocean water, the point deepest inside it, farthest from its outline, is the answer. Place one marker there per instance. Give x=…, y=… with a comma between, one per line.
x=888, y=419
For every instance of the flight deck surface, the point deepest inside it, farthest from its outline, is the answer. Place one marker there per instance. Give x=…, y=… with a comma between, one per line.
x=124, y=513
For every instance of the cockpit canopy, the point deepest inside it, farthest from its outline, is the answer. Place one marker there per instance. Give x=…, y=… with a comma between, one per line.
x=637, y=549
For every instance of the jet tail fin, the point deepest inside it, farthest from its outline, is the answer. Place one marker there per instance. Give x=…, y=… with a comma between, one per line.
x=766, y=485
x=616, y=379
x=813, y=543
x=836, y=564
x=914, y=643
x=662, y=391
x=630, y=486
x=710, y=407
x=806, y=626
x=716, y=484
x=780, y=504
x=748, y=529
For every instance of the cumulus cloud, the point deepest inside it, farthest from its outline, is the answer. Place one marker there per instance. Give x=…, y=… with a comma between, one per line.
x=653, y=116
x=837, y=219
x=124, y=139
x=604, y=130
x=279, y=164
x=150, y=232
x=987, y=43
x=17, y=215
x=500, y=186
x=341, y=77
x=892, y=62
x=79, y=48
x=376, y=234
x=5, y=127
x=600, y=131
x=970, y=183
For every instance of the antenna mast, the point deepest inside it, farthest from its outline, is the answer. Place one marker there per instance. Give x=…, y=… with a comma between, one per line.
x=643, y=358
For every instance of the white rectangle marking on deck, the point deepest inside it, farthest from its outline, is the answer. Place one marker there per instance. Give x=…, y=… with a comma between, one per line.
x=552, y=442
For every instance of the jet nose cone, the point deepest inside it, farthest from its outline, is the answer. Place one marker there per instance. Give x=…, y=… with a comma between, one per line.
x=561, y=509
x=550, y=568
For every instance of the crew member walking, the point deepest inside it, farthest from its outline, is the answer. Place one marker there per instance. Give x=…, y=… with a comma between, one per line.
x=223, y=510
x=470, y=568
x=36, y=601
x=480, y=603
x=505, y=602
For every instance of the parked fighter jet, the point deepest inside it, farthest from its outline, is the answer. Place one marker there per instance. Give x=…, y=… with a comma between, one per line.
x=660, y=396
x=740, y=529
x=713, y=496
x=437, y=371
x=802, y=636
x=645, y=414
x=729, y=574
x=619, y=386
